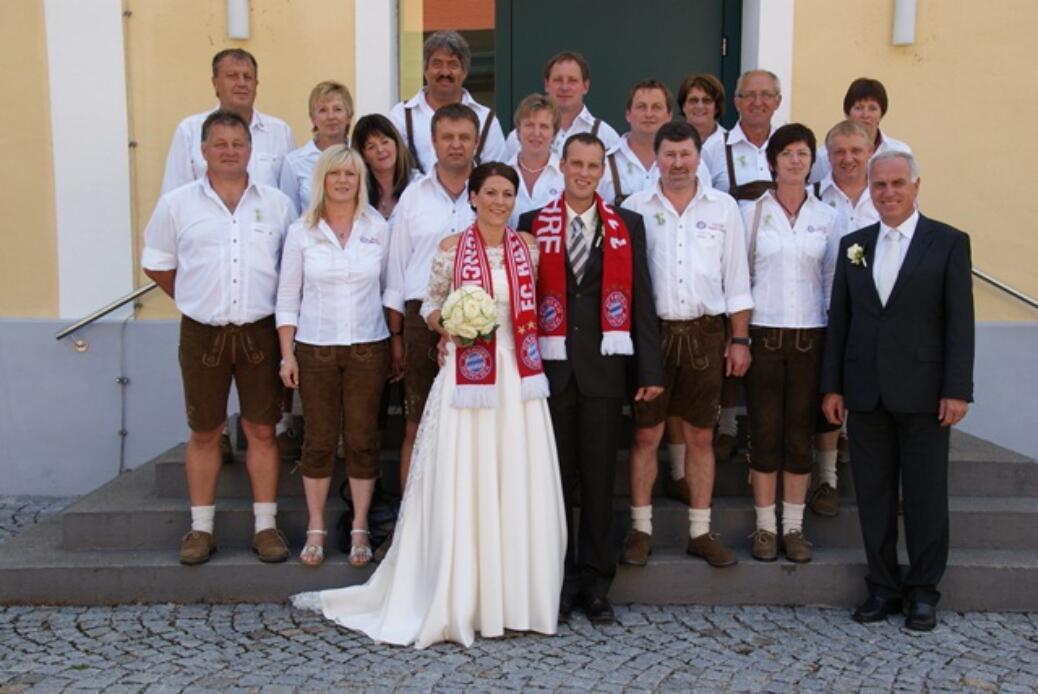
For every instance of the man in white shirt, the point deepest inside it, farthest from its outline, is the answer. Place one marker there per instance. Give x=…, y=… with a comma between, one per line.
x=447, y=61
x=235, y=77
x=567, y=79
x=214, y=246
x=739, y=166
x=845, y=188
x=434, y=206
x=631, y=165
x=700, y=275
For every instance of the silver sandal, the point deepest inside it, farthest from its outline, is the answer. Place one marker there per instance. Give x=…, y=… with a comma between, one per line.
x=360, y=555
x=313, y=555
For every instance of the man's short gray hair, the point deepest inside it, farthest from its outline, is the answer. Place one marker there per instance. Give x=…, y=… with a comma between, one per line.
x=452, y=42
x=913, y=167
x=750, y=73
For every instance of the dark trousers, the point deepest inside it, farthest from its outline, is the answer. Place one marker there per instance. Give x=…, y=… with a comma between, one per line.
x=888, y=447
x=587, y=436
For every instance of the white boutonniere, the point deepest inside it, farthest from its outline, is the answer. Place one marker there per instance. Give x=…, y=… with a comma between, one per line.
x=660, y=219
x=856, y=254
x=767, y=219
x=259, y=215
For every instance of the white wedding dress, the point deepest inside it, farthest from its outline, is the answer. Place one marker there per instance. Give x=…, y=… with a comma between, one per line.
x=481, y=537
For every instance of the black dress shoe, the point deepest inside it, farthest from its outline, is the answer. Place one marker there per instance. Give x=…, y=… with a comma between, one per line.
x=565, y=609
x=876, y=609
x=598, y=610
x=921, y=616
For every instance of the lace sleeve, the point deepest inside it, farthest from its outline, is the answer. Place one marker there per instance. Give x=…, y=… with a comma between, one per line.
x=439, y=281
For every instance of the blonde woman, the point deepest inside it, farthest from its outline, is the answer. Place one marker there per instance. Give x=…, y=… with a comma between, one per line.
x=334, y=339
x=331, y=112
x=537, y=120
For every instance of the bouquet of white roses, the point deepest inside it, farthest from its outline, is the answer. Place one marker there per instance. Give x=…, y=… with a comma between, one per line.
x=469, y=313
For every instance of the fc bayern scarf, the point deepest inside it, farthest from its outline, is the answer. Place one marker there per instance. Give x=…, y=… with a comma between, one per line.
x=476, y=365
x=617, y=270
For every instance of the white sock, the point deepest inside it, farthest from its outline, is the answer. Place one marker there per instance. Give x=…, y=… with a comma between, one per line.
x=827, y=467
x=698, y=522
x=264, y=514
x=202, y=518
x=766, y=518
x=285, y=424
x=727, y=424
x=792, y=517
x=677, y=460
x=641, y=519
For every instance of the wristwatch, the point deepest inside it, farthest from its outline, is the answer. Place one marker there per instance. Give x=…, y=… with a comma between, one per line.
x=741, y=341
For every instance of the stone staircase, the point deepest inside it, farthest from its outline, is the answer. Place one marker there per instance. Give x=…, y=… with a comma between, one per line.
x=119, y=544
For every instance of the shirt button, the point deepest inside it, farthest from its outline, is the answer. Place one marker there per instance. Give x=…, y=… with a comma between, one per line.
x=235, y=260
x=234, y=240
x=234, y=221
x=234, y=281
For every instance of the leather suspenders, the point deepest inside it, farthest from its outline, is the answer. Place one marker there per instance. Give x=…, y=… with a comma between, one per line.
x=618, y=193
x=483, y=135
x=750, y=190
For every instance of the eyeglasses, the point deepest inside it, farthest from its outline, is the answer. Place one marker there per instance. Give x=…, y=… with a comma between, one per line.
x=753, y=96
x=696, y=100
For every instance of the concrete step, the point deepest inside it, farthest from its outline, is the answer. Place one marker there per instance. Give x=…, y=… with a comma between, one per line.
x=36, y=569
x=976, y=468
x=126, y=514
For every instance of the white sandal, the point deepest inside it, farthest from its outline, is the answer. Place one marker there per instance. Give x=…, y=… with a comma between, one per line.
x=360, y=555
x=313, y=555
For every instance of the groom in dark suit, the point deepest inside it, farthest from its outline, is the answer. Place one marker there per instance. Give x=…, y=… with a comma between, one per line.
x=899, y=359
x=589, y=375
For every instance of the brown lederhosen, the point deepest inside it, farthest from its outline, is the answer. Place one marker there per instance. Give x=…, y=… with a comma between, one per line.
x=421, y=360
x=782, y=397
x=409, y=123
x=750, y=190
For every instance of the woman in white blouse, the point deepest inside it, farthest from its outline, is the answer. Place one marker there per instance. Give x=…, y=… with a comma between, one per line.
x=702, y=101
x=793, y=241
x=331, y=112
x=537, y=119
x=334, y=339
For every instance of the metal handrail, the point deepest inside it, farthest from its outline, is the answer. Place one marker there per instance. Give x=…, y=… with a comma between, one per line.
x=1011, y=291
x=104, y=311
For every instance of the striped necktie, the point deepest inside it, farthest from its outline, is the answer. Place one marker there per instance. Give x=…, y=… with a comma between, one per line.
x=577, y=245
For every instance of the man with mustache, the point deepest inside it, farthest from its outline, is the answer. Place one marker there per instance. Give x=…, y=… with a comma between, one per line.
x=214, y=246
x=700, y=277
x=447, y=63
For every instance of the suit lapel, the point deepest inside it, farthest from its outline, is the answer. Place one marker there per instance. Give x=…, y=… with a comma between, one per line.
x=921, y=240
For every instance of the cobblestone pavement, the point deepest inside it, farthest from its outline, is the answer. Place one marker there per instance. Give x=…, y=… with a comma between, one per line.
x=273, y=648
x=19, y=512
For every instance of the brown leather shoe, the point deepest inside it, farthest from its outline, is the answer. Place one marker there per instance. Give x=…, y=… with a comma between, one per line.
x=709, y=546
x=637, y=548
x=796, y=547
x=843, y=449
x=196, y=547
x=764, y=545
x=226, y=452
x=270, y=545
x=676, y=489
x=825, y=501
x=724, y=447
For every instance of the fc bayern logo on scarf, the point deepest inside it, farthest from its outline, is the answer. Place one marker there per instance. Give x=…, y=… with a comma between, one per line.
x=475, y=364
x=616, y=309
x=551, y=313
x=529, y=352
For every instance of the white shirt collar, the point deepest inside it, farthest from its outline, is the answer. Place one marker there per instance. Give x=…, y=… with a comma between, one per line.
x=703, y=192
x=207, y=188
x=736, y=134
x=552, y=165
x=420, y=100
x=257, y=122
x=907, y=227
x=589, y=216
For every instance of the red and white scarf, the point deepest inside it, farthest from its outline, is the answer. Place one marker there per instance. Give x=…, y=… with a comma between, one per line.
x=475, y=366
x=550, y=228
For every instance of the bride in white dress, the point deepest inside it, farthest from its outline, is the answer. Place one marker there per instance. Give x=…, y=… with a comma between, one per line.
x=481, y=536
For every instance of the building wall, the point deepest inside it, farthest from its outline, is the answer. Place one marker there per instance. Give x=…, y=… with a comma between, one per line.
x=170, y=45
x=963, y=96
x=29, y=265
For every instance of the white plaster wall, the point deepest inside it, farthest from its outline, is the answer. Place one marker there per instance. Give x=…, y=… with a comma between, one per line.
x=377, y=79
x=767, y=44
x=91, y=164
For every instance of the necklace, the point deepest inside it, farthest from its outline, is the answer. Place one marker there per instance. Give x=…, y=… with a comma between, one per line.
x=527, y=169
